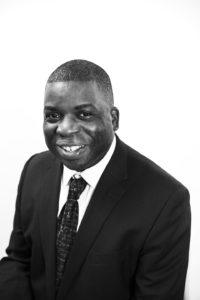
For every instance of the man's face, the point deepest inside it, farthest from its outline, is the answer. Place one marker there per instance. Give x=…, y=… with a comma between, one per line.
x=79, y=123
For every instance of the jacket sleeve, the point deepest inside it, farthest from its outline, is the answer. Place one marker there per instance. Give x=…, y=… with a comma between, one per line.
x=15, y=267
x=163, y=261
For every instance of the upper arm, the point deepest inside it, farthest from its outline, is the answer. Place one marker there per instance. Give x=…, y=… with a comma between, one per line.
x=18, y=248
x=163, y=260
x=15, y=267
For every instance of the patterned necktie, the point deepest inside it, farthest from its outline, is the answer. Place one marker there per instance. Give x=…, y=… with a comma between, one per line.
x=67, y=226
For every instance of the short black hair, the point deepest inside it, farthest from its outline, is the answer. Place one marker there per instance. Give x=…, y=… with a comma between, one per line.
x=83, y=71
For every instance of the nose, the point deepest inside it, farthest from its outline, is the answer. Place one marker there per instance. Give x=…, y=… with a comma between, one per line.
x=67, y=126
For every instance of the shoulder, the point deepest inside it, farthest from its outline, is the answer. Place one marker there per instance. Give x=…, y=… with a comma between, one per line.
x=40, y=162
x=152, y=188
x=151, y=176
x=42, y=157
x=38, y=167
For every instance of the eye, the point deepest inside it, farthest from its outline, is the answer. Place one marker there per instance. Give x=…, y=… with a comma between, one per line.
x=52, y=116
x=85, y=115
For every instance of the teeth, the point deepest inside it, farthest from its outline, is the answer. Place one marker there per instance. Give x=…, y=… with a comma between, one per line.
x=72, y=148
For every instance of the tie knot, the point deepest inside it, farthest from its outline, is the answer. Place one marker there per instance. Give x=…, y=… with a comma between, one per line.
x=76, y=186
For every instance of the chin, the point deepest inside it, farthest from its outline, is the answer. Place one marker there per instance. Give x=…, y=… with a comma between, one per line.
x=74, y=165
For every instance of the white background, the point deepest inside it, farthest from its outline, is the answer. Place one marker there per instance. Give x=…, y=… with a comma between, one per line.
x=150, y=49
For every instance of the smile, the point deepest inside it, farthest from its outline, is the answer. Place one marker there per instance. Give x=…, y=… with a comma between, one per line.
x=72, y=149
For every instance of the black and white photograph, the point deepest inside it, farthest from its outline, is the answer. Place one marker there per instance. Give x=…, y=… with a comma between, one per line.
x=99, y=195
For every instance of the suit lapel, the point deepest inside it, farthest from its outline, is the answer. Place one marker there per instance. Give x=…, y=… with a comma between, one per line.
x=50, y=189
x=108, y=192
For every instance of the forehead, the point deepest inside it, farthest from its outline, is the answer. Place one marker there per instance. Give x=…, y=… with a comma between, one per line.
x=74, y=91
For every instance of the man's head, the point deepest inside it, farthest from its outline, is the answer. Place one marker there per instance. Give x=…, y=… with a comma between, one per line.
x=79, y=114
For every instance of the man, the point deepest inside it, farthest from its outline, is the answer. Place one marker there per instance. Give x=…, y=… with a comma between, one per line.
x=94, y=220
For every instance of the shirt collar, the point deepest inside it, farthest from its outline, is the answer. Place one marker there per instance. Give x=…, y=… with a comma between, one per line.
x=92, y=174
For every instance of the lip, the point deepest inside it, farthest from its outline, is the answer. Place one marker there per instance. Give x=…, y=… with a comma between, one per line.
x=60, y=144
x=70, y=151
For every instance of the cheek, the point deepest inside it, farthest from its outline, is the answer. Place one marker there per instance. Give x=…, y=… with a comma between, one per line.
x=101, y=127
x=48, y=128
x=90, y=129
x=101, y=138
x=48, y=132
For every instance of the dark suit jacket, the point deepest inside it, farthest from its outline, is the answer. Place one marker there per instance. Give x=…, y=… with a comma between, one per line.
x=132, y=243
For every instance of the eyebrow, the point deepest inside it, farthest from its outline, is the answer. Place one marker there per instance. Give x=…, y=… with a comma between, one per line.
x=81, y=106
x=49, y=107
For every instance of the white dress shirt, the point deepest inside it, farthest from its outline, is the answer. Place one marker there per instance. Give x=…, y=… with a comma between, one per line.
x=91, y=176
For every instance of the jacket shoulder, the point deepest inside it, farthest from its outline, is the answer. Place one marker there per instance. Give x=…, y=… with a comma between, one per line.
x=40, y=161
x=151, y=174
x=44, y=157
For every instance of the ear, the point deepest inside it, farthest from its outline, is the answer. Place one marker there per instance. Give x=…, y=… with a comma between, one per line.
x=115, y=117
